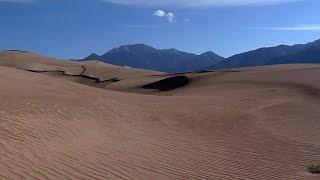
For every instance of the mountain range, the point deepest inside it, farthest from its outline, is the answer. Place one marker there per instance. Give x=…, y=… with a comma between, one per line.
x=172, y=60
x=282, y=54
x=165, y=60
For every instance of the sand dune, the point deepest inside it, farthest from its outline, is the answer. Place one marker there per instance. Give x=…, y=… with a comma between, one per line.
x=251, y=123
x=93, y=73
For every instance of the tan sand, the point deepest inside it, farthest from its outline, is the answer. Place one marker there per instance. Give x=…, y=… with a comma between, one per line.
x=251, y=123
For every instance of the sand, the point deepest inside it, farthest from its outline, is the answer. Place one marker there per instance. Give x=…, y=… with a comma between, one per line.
x=250, y=123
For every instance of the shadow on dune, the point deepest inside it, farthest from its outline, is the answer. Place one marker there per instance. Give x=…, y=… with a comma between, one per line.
x=80, y=78
x=168, y=84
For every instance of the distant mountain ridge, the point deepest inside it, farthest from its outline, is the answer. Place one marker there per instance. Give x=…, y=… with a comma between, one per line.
x=282, y=54
x=172, y=60
x=165, y=60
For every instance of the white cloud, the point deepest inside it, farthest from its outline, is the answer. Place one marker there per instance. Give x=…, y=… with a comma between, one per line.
x=199, y=2
x=159, y=13
x=169, y=16
x=305, y=27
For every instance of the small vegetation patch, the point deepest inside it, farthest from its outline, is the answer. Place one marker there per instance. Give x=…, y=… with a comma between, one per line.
x=313, y=168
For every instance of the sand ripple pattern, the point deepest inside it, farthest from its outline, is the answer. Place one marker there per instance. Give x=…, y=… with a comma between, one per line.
x=238, y=129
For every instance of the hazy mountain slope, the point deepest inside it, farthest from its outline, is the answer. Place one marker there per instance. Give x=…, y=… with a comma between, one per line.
x=310, y=54
x=166, y=60
x=301, y=53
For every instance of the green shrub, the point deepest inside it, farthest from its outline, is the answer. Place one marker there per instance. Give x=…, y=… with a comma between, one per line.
x=314, y=168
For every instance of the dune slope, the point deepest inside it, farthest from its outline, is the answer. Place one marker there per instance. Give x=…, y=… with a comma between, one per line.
x=259, y=123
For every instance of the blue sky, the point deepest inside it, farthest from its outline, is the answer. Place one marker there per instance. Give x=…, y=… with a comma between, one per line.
x=74, y=29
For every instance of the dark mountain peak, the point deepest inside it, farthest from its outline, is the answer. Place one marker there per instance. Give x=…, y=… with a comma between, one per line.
x=316, y=41
x=93, y=56
x=314, y=44
x=172, y=51
x=207, y=53
x=137, y=48
x=211, y=55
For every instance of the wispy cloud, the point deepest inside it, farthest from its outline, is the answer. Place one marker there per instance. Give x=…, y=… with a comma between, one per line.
x=199, y=3
x=161, y=13
x=304, y=27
